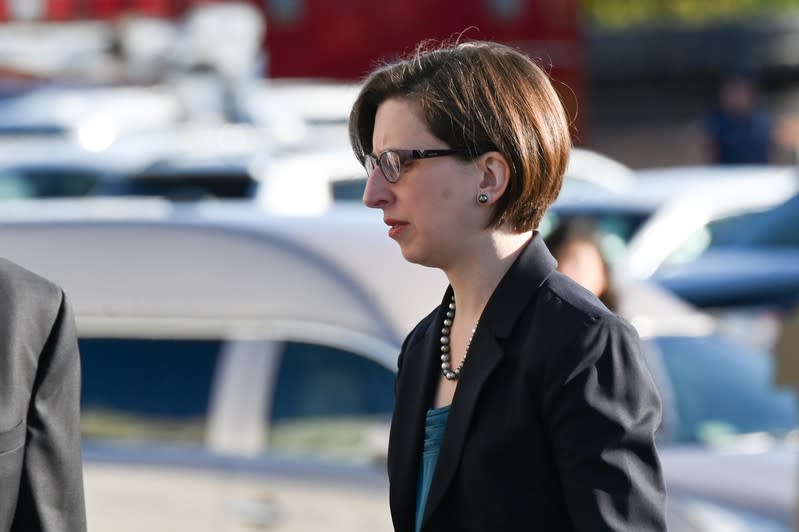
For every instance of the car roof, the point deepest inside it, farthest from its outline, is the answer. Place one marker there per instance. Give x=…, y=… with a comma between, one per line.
x=745, y=180
x=689, y=175
x=593, y=167
x=220, y=268
x=652, y=188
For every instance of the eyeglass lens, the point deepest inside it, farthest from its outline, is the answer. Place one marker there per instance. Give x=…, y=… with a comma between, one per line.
x=390, y=165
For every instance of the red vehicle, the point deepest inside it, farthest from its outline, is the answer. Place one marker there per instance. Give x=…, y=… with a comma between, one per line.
x=67, y=10
x=345, y=39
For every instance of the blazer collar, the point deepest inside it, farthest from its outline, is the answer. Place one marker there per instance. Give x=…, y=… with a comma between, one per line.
x=533, y=266
x=523, y=279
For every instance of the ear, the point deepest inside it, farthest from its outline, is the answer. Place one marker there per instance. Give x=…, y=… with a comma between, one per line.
x=495, y=175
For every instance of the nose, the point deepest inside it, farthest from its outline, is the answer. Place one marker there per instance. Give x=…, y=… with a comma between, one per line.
x=377, y=193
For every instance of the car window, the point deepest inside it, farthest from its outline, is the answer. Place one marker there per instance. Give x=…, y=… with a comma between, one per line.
x=329, y=403
x=46, y=183
x=720, y=390
x=187, y=188
x=348, y=189
x=139, y=391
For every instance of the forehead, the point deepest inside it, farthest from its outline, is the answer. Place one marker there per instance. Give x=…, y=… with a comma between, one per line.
x=399, y=125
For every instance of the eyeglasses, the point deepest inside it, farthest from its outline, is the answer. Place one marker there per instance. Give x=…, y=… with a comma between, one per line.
x=392, y=161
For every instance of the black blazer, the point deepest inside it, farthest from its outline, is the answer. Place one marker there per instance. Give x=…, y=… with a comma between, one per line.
x=552, y=423
x=41, y=484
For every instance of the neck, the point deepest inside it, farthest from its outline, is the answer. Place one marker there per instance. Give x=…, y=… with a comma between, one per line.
x=474, y=277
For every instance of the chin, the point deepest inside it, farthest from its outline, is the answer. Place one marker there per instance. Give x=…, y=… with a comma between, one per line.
x=410, y=256
x=419, y=257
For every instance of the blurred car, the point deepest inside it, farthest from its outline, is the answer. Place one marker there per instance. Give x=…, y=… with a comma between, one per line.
x=701, y=195
x=278, y=182
x=588, y=167
x=737, y=277
x=189, y=161
x=238, y=370
x=304, y=114
x=57, y=166
x=188, y=178
x=747, y=275
x=661, y=216
x=96, y=114
x=49, y=180
x=776, y=228
x=727, y=442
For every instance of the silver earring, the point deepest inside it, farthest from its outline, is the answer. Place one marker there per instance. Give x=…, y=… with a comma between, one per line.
x=482, y=198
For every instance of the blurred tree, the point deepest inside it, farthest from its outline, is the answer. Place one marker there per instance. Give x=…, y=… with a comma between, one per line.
x=622, y=13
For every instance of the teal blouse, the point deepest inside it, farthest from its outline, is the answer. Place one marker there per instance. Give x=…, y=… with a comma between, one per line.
x=434, y=425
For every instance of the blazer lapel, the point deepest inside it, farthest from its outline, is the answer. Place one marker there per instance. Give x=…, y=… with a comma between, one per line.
x=514, y=291
x=422, y=363
x=475, y=373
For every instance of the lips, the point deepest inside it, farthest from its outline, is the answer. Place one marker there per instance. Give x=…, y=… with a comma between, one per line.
x=395, y=227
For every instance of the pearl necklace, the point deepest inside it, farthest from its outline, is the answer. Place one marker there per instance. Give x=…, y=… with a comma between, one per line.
x=446, y=369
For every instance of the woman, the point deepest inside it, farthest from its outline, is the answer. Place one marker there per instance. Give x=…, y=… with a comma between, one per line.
x=575, y=244
x=522, y=403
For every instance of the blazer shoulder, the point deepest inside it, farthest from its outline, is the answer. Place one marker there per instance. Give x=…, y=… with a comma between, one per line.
x=22, y=287
x=568, y=300
x=577, y=315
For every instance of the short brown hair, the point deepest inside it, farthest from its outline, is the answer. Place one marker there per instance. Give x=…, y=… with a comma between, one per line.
x=481, y=97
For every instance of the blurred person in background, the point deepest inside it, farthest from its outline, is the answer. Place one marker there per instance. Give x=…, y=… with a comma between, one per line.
x=787, y=352
x=521, y=402
x=41, y=482
x=575, y=245
x=738, y=130
x=787, y=373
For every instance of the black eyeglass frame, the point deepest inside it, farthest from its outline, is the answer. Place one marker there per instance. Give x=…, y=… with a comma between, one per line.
x=370, y=162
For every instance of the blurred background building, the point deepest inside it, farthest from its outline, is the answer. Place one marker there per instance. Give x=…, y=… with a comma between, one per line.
x=636, y=75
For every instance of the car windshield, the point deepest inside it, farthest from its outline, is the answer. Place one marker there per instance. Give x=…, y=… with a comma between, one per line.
x=46, y=182
x=720, y=390
x=184, y=187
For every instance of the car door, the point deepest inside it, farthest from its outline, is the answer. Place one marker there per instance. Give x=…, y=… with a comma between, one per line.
x=146, y=411
x=320, y=464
